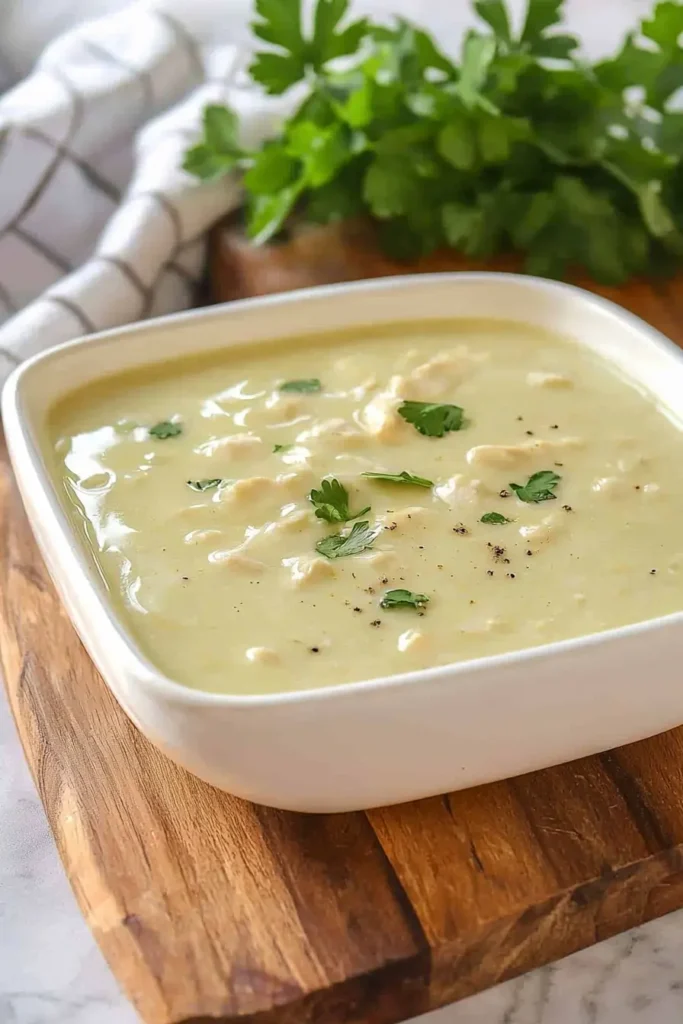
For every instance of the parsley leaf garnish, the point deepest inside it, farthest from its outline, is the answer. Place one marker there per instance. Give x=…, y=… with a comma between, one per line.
x=164, y=430
x=517, y=145
x=400, y=478
x=331, y=502
x=432, y=419
x=283, y=447
x=302, y=386
x=204, y=485
x=340, y=545
x=539, y=487
x=495, y=518
x=403, y=599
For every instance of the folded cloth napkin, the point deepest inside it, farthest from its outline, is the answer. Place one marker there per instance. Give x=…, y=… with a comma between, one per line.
x=99, y=226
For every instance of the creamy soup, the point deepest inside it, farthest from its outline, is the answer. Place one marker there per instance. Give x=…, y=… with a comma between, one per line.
x=525, y=493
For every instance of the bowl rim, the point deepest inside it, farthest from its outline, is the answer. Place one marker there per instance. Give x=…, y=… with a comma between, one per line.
x=29, y=470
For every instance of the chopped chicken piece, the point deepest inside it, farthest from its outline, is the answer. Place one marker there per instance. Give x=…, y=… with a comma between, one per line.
x=361, y=391
x=379, y=559
x=438, y=376
x=246, y=490
x=338, y=431
x=262, y=655
x=548, y=528
x=412, y=640
x=402, y=519
x=234, y=446
x=611, y=486
x=238, y=562
x=291, y=522
x=511, y=455
x=537, y=379
x=459, y=490
x=200, y=536
x=380, y=416
x=308, y=570
x=286, y=406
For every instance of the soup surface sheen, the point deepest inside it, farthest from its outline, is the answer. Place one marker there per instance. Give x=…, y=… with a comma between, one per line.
x=223, y=587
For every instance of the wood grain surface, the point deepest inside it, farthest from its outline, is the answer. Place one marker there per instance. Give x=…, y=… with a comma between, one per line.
x=212, y=910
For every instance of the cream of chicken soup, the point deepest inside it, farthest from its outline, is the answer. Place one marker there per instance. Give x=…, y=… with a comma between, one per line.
x=346, y=507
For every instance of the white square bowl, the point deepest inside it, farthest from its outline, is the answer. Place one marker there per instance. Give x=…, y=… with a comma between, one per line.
x=387, y=740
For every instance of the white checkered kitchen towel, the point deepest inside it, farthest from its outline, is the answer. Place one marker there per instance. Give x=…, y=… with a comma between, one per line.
x=98, y=224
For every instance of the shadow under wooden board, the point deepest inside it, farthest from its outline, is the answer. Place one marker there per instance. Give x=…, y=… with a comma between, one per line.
x=211, y=910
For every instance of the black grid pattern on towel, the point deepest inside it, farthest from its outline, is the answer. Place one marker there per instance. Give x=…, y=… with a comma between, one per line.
x=63, y=151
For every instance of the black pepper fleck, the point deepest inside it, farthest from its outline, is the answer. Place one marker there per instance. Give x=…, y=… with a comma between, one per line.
x=462, y=530
x=529, y=432
x=520, y=418
x=385, y=579
x=554, y=426
x=370, y=590
x=652, y=572
x=503, y=494
x=559, y=464
x=510, y=575
x=636, y=487
x=489, y=572
x=314, y=650
x=376, y=622
x=529, y=552
x=567, y=508
x=186, y=577
x=421, y=547
x=391, y=526
x=357, y=609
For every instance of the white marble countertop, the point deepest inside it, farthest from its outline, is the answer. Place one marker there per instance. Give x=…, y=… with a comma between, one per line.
x=51, y=972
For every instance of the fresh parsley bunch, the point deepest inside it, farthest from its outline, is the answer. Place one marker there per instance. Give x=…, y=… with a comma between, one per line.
x=519, y=146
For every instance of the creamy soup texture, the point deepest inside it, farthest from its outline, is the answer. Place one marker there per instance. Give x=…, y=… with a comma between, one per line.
x=192, y=485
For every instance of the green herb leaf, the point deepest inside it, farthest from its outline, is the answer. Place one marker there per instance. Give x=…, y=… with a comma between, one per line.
x=205, y=485
x=219, y=151
x=331, y=502
x=280, y=24
x=403, y=599
x=432, y=419
x=494, y=13
x=302, y=386
x=283, y=447
x=539, y=487
x=400, y=478
x=164, y=430
x=341, y=545
x=495, y=518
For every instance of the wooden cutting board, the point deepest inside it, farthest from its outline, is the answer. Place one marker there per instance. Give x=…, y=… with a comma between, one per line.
x=212, y=910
